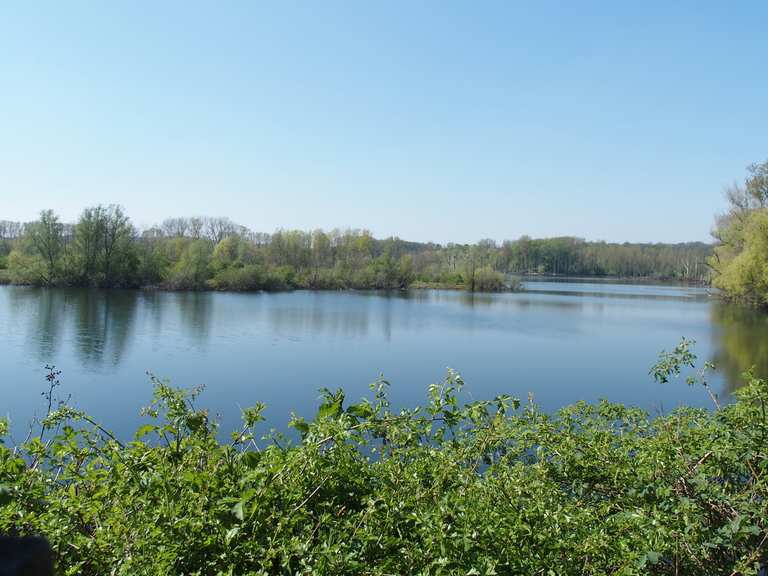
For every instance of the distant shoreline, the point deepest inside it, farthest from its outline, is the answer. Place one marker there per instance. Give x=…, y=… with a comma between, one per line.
x=416, y=285
x=616, y=279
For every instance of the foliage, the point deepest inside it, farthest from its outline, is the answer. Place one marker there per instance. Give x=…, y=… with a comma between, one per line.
x=193, y=267
x=486, y=279
x=574, y=256
x=743, y=274
x=98, y=251
x=740, y=259
x=46, y=240
x=491, y=487
x=24, y=268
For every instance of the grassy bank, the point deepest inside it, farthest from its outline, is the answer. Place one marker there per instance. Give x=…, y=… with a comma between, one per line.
x=494, y=487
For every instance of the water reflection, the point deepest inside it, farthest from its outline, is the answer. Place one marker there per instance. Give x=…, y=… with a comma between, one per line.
x=99, y=322
x=195, y=311
x=104, y=323
x=564, y=346
x=741, y=342
x=45, y=314
x=153, y=305
x=323, y=316
x=623, y=295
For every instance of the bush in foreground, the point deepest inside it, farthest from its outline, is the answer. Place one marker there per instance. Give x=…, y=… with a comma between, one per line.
x=490, y=487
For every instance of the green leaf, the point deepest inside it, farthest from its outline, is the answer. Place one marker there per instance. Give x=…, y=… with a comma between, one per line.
x=362, y=410
x=231, y=533
x=237, y=511
x=653, y=557
x=144, y=430
x=300, y=425
x=332, y=407
x=254, y=414
x=251, y=459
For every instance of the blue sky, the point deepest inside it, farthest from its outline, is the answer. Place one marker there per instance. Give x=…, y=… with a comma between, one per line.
x=445, y=121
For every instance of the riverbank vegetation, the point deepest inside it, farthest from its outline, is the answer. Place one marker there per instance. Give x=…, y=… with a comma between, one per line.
x=104, y=249
x=740, y=259
x=490, y=487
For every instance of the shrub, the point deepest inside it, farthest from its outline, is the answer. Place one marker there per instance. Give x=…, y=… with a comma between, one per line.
x=488, y=280
x=244, y=278
x=492, y=487
x=26, y=268
x=192, y=271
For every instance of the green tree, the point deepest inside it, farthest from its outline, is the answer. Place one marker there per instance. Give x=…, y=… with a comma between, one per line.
x=740, y=259
x=117, y=246
x=25, y=268
x=743, y=274
x=471, y=264
x=193, y=270
x=88, y=233
x=103, y=251
x=226, y=253
x=45, y=237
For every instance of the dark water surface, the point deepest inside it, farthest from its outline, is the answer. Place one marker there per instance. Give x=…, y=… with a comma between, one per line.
x=561, y=341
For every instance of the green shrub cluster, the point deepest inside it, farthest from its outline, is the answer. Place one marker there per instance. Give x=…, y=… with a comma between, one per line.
x=488, y=280
x=492, y=487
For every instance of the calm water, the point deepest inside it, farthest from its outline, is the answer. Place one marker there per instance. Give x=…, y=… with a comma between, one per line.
x=561, y=341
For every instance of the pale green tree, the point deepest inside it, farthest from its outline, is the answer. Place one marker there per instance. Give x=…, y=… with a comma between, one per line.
x=45, y=237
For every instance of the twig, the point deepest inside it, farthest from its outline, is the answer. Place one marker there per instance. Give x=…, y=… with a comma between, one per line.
x=754, y=554
x=308, y=498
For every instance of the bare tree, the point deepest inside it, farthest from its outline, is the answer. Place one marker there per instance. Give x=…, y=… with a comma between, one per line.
x=196, y=226
x=216, y=229
x=175, y=227
x=757, y=183
x=10, y=230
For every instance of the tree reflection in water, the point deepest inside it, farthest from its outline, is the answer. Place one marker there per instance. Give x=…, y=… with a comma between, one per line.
x=740, y=342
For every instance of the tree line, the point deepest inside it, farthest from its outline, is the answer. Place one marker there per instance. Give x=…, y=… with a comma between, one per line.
x=103, y=248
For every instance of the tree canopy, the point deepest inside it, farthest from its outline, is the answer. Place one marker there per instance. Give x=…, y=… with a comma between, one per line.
x=740, y=259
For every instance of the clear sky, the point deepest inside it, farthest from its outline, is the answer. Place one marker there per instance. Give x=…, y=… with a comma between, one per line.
x=445, y=121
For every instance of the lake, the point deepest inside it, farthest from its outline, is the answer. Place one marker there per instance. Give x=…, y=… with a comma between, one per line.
x=559, y=341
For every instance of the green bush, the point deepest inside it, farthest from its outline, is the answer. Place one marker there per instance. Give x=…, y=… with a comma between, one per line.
x=281, y=278
x=488, y=280
x=495, y=487
x=193, y=270
x=250, y=277
x=26, y=269
x=324, y=279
